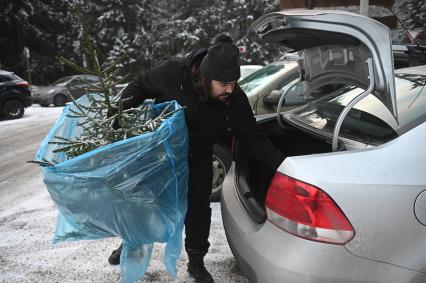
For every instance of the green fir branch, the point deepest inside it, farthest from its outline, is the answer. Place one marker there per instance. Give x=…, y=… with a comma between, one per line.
x=41, y=163
x=114, y=65
x=75, y=66
x=105, y=108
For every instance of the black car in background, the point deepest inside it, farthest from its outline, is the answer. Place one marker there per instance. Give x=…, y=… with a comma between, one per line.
x=58, y=92
x=408, y=55
x=15, y=95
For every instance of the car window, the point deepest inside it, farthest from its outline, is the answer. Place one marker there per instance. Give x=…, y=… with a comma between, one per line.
x=9, y=77
x=78, y=81
x=3, y=79
x=61, y=81
x=297, y=95
x=369, y=121
x=260, y=77
x=15, y=77
x=92, y=79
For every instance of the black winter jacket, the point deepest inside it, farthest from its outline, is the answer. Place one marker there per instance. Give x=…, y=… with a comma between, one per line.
x=206, y=119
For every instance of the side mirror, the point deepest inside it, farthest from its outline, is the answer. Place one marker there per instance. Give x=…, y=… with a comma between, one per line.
x=272, y=99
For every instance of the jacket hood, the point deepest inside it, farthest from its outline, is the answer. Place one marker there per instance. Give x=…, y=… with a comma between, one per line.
x=194, y=57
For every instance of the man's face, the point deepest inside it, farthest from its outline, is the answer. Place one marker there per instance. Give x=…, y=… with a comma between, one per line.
x=221, y=90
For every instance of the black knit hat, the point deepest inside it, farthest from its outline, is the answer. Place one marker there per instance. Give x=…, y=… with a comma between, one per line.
x=221, y=63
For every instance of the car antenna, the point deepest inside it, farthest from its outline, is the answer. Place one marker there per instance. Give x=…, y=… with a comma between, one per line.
x=412, y=38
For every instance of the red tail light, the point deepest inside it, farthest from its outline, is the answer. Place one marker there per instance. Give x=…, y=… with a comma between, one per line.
x=306, y=211
x=22, y=83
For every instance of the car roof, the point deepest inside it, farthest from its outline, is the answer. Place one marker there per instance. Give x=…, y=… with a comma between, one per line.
x=3, y=72
x=79, y=76
x=83, y=75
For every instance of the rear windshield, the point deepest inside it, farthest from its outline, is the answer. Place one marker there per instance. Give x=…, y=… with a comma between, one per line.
x=369, y=121
x=5, y=77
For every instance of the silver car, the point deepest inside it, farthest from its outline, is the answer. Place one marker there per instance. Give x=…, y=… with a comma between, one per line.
x=265, y=87
x=246, y=70
x=59, y=91
x=348, y=204
x=268, y=82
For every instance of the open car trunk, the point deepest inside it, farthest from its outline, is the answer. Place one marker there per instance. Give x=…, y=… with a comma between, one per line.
x=335, y=47
x=252, y=179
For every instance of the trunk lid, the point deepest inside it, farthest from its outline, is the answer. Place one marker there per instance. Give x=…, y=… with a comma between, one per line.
x=334, y=47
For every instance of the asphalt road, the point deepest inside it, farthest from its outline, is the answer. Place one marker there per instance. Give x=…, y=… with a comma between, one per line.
x=19, y=140
x=27, y=222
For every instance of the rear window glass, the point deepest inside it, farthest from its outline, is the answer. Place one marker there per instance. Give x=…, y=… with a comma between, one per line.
x=92, y=79
x=259, y=77
x=9, y=77
x=3, y=79
x=369, y=121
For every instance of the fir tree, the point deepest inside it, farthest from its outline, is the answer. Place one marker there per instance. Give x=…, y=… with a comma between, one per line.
x=104, y=120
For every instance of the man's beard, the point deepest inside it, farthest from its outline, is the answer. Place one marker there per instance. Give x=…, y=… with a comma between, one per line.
x=221, y=98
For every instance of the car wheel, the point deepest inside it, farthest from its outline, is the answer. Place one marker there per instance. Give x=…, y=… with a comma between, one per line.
x=13, y=109
x=222, y=159
x=60, y=100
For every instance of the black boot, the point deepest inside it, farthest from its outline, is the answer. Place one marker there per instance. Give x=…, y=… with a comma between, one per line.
x=114, y=258
x=197, y=269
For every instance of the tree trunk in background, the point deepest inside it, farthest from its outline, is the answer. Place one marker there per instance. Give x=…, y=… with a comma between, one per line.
x=363, y=7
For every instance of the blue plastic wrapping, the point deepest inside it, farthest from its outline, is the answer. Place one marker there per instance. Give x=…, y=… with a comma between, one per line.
x=135, y=189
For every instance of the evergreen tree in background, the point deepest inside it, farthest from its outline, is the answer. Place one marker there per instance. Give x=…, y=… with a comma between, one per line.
x=416, y=18
x=151, y=31
x=196, y=23
x=258, y=52
x=47, y=27
x=14, y=24
x=412, y=14
x=125, y=24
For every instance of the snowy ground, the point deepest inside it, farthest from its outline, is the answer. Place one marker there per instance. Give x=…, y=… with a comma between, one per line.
x=27, y=222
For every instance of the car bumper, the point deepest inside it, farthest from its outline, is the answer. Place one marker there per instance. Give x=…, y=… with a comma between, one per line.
x=40, y=100
x=28, y=102
x=267, y=254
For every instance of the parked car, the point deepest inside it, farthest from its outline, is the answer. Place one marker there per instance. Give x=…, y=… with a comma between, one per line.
x=15, y=95
x=265, y=86
x=58, y=92
x=248, y=69
x=408, y=55
x=348, y=203
x=271, y=78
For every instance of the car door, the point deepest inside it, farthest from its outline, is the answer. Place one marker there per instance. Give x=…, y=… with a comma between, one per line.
x=266, y=101
x=3, y=84
x=76, y=87
x=334, y=47
x=80, y=85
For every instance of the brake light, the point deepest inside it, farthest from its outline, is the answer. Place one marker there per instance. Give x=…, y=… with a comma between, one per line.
x=22, y=83
x=306, y=211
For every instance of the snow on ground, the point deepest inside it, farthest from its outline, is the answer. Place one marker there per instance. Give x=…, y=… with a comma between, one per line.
x=27, y=226
x=33, y=114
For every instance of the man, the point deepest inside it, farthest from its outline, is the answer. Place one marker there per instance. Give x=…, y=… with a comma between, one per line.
x=206, y=84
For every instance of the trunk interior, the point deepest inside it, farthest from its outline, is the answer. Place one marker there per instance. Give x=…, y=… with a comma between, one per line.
x=253, y=179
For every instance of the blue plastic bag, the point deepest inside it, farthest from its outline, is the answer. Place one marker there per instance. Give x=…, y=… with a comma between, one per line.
x=135, y=189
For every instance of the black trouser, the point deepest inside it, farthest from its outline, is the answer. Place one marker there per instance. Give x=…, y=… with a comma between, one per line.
x=198, y=216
